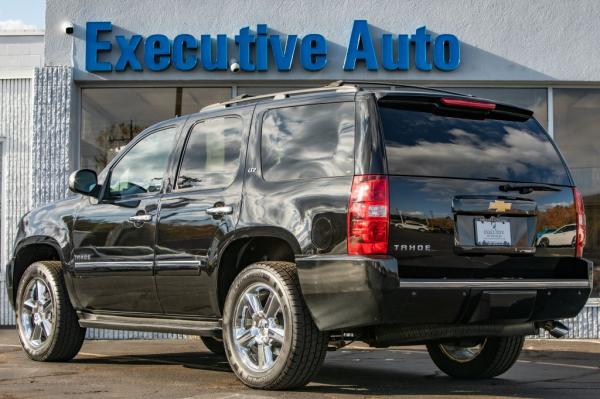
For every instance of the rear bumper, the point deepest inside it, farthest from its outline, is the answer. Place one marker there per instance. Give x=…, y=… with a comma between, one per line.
x=344, y=292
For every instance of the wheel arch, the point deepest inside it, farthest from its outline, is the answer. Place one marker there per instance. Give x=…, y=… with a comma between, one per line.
x=29, y=250
x=248, y=246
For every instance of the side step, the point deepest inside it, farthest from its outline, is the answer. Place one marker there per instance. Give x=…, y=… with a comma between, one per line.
x=174, y=326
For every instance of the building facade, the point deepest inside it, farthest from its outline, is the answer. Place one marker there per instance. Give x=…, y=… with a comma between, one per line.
x=20, y=53
x=112, y=68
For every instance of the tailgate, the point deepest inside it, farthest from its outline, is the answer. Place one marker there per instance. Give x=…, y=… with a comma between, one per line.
x=458, y=228
x=477, y=189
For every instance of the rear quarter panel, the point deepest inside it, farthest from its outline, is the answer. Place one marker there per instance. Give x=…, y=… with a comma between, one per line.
x=313, y=211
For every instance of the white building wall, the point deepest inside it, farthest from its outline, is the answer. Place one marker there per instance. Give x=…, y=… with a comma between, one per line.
x=15, y=134
x=20, y=53
x=501, y=40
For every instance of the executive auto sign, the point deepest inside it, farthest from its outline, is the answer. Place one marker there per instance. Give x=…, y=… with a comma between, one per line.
x=186, y=52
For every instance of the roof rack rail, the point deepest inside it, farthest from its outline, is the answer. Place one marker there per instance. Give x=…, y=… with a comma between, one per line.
x=245, y=98
x=339, y=83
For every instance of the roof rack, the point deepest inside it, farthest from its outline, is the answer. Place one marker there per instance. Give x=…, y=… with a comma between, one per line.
x=245, y=98
x=338, y=86
x=358, y=83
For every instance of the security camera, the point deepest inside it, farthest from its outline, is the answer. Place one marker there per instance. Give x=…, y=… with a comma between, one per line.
x=68, y=28
x=234, y=66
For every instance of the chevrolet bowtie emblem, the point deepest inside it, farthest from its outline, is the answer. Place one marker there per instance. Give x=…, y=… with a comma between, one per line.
x=500, y=206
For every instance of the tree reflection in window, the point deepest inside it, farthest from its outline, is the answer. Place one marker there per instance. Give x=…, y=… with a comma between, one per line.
x=141, y=170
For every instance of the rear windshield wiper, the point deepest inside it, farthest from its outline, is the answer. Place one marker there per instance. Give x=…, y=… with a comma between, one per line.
x=526, y=189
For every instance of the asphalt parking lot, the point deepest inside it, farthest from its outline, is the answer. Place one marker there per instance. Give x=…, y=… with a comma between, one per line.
x=185, y=369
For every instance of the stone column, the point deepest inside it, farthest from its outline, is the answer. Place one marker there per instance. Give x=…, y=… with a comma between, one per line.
x=51, y=139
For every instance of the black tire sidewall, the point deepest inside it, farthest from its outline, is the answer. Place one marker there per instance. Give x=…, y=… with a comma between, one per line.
x=259, y=274
x=38, y=270
x=479, y=367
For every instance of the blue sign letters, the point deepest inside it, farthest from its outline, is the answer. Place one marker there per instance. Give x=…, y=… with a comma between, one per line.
x=255, y=50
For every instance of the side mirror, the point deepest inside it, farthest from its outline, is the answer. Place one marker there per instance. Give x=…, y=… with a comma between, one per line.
x=84, y=181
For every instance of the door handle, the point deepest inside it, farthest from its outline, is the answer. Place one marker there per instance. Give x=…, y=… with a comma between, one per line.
x=220, y=210
x=141, y=218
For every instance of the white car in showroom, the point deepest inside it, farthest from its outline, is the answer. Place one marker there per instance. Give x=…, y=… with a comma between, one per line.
x=560, y=237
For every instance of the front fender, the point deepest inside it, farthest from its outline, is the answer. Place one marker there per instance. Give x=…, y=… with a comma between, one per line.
x=49, y=225
x=21, y=246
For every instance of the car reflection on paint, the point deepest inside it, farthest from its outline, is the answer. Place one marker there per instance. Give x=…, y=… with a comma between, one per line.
x=563, y=236
x=412, y=225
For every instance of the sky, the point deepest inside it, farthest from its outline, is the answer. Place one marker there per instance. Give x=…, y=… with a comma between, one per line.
x=22, y=14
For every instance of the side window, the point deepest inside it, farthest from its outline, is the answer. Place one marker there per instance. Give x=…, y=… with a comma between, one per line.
x=141, y=170
x=307, y=142
x=212, y=153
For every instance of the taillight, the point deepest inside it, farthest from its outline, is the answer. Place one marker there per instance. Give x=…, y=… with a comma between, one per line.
x=368, y=215
x=459, y=102
x=580, y=211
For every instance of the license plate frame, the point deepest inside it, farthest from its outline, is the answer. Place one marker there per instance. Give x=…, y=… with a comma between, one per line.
x=492, y=233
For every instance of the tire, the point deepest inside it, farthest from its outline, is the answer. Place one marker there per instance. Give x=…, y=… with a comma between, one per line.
x=288, y=334
x=214, y=345
x=497, y=355
x=544, y=242
x=43, y=308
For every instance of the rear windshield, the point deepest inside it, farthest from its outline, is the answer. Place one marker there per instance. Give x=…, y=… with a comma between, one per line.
x=423, y=144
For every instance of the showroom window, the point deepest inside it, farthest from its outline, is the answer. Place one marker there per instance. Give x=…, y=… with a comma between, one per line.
x=194, y=98
x=260, y=90
x=576, y=121
x=111, y=117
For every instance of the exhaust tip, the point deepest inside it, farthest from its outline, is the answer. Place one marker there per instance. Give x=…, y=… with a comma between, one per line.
x=556, y=328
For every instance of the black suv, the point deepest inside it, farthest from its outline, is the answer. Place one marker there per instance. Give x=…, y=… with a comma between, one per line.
x=277, y=226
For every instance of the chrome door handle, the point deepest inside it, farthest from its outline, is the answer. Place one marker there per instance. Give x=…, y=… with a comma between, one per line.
x=220, y=210
x=141, y=218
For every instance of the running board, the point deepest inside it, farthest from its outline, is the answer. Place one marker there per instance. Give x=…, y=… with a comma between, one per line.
x=174, y=326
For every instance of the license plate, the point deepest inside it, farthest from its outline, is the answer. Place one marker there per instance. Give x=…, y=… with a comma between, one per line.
x=492, y=233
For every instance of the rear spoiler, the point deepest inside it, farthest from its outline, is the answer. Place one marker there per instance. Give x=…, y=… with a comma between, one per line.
x=449, y=105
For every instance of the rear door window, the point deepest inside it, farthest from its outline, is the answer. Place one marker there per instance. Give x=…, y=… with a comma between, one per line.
x=212, y=154
x=308, y=141
x=419, y=143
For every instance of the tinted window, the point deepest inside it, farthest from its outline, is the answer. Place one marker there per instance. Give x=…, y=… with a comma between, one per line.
x=423, y=144
x=141, y=170
x=309, y=141
x=212, y=154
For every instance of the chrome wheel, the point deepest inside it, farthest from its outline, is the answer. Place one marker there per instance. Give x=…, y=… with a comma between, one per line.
x=462, y=354
x=37, y=313
x=259, y=327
